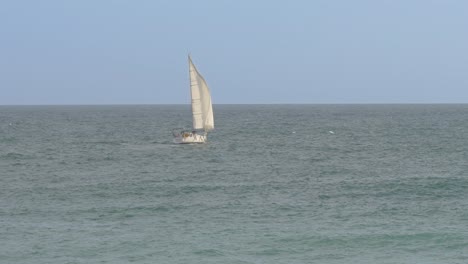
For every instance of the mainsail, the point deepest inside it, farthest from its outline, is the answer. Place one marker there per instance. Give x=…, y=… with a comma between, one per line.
x=202, y=110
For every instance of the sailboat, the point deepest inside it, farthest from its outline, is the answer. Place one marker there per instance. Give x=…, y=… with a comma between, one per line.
x=202, y=110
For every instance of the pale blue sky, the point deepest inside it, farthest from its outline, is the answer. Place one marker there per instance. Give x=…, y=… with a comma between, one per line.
x=263, y=51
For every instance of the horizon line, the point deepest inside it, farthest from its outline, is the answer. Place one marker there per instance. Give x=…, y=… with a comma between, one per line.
x=149, y=104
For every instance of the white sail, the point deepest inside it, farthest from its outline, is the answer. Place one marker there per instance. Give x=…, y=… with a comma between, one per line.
x=202, y=109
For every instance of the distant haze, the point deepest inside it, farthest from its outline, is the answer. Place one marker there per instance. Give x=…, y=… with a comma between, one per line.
x=135, y=52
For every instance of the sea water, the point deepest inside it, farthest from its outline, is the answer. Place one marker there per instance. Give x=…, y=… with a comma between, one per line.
x=274, y=184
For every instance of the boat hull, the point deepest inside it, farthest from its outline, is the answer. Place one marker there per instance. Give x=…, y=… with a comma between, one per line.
x=189, y=138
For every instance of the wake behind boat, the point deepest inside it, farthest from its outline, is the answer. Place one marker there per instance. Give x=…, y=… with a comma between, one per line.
x=202, y=110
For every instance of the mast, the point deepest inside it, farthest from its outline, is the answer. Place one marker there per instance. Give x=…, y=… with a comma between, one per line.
x=197, y=117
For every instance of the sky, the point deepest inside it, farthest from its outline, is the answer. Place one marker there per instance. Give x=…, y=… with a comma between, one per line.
x=250, y=52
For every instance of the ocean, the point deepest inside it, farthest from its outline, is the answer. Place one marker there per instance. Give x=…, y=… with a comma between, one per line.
x=274, y=184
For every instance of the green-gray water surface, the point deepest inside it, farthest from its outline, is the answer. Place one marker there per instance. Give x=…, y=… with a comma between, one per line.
x=274, y=184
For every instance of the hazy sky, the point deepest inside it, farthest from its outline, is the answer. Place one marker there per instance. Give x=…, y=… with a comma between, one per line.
x=262, y=51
